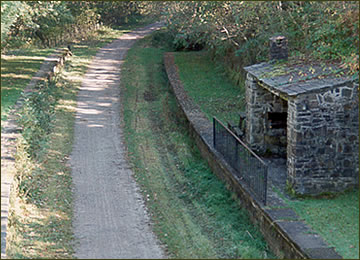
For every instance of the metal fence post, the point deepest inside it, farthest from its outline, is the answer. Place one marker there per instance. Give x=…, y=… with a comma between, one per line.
x=236, y=155
x=265, y=184
x=214, y=132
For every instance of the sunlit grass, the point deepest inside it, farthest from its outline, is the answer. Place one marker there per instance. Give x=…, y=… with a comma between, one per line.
x=19, y=66
x=14, y=76
x=17, y=69
x=40, y=223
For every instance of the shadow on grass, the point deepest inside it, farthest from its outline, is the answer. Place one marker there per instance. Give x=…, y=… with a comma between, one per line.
x=41, y=222
x=17, y=70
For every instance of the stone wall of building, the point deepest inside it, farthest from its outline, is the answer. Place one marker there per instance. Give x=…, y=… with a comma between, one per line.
x=323, y=140
x=260, y=137
x=254, y=96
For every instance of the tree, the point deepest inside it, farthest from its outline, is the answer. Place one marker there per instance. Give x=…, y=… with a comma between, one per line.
x=11, y=11
x=323, y=30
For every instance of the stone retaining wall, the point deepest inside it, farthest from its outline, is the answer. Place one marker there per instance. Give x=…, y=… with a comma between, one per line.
x=286, y=234
x=10, y=132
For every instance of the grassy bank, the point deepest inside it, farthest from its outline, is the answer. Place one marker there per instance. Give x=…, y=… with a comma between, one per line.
x=193, y=213
x=209, y=87
x=40, y=218
x=17, y=69
x=335, y=219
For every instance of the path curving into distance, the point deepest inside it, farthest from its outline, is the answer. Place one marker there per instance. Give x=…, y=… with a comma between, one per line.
x=110, y=219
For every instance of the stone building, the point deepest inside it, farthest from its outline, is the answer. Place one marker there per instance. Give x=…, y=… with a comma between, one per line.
x=309, y=114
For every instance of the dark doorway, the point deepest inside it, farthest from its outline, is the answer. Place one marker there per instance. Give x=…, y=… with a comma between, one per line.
x=276, y=120
x=275, y=135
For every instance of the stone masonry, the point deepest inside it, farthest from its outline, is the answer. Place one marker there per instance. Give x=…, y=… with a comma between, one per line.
x=315, y=123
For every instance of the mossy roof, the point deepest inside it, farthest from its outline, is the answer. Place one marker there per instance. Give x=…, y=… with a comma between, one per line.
x=291, y=79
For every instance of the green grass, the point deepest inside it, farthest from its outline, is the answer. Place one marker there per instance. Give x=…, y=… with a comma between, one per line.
x=19, y=66
x=193, y=213
x=17, y=69
x=40, y=218
x=207, y=84
x=40, y=222
x=335, y=219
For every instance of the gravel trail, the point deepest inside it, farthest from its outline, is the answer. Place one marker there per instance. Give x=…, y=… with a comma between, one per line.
x=110, y=219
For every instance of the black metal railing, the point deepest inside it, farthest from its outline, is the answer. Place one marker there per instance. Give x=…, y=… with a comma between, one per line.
x=248, y=166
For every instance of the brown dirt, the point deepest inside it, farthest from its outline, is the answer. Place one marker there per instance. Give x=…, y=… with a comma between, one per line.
x=110, y=219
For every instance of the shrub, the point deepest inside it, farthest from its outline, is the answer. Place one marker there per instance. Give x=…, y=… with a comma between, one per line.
x=35, y=117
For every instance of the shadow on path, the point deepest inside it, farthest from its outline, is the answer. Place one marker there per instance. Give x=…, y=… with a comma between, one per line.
x=110, y=219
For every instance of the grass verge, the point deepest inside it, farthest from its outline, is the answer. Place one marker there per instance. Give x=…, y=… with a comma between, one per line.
x=40, y=217
x=193, y=213
x=335, y=219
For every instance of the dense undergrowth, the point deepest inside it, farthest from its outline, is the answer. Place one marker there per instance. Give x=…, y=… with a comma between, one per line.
x=193, y=213
x=47, y=24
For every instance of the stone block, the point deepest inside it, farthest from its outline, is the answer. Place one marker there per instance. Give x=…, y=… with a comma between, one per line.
x=278, y=214
x=346, y=92
x=322, y=253
x=348, y=173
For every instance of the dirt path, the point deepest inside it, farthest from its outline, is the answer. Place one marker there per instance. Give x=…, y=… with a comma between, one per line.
x=110, y=220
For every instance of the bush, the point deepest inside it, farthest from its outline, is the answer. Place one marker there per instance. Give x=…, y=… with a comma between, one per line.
x=162, y=39
x=44, y=23
x=35, y=117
